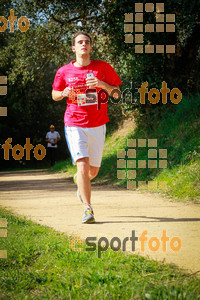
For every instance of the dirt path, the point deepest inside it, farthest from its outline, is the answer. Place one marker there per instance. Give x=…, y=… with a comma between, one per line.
x=50, y=199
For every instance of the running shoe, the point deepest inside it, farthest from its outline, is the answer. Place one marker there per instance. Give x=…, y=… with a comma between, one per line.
x=88, y=216
x=75, y=178
x=78, y=193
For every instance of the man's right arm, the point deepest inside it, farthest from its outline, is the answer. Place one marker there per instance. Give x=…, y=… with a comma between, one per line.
x=47, y=138
x=59, y=95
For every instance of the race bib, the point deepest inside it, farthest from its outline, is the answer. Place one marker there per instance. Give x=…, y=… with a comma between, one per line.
x=86, y=99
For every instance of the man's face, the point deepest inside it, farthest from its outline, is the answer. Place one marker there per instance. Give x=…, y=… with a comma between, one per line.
x=52, y=129
x=82, y=45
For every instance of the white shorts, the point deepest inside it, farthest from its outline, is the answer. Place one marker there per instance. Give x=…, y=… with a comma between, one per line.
x=86, y=142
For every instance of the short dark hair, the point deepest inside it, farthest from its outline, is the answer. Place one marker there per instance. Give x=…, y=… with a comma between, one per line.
x=79, y=33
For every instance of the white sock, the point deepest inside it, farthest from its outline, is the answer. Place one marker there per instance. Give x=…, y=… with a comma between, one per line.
x=88, y=205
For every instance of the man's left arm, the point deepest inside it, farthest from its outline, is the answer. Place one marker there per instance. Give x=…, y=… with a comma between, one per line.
x=58, y=138
x=95, y=82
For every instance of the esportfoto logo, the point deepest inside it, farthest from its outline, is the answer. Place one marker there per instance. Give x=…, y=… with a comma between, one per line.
x=163, y=23
x=146, y=243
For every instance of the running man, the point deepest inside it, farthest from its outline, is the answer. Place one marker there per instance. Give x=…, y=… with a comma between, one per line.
x=85, y=123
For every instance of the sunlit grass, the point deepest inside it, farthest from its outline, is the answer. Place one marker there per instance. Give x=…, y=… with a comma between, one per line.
x=41, y=265
x=183, y=182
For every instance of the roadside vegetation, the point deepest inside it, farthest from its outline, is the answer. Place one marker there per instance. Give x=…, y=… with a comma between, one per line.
x=178, y=132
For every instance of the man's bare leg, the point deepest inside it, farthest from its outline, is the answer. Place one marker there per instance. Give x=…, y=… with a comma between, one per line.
x=83, y=180
x=93, y=172
x=85, y=173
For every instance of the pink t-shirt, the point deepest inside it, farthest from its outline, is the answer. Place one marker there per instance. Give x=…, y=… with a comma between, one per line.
x=82, y=108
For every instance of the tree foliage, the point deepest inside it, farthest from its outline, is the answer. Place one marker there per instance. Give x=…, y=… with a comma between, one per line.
x=30, y=60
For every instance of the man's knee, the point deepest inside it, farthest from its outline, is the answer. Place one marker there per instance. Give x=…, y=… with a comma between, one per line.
x=83, y=166
x=93, y=172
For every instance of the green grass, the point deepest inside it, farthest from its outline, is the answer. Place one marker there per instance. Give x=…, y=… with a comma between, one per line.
x=183, y=182
x=178, y=132
x=41, y=265
x=65, y=166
